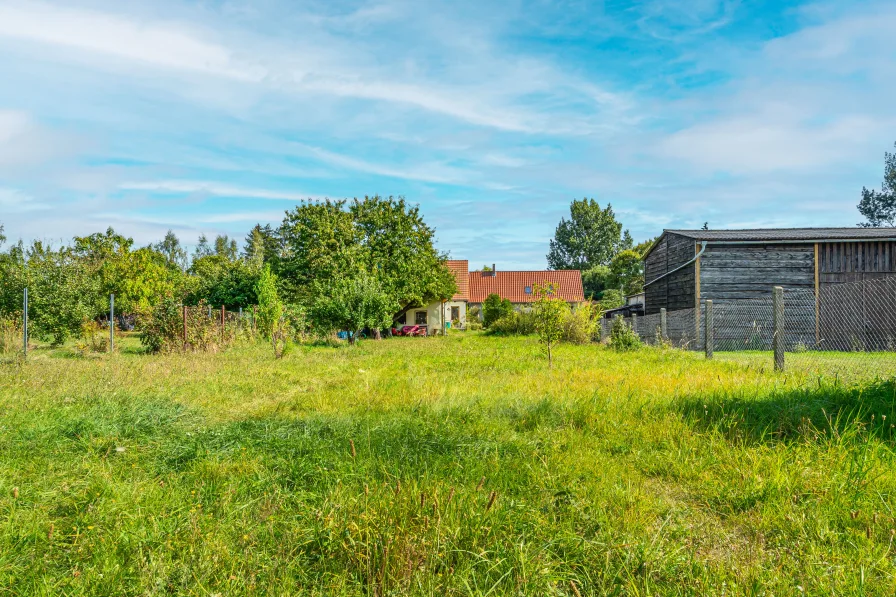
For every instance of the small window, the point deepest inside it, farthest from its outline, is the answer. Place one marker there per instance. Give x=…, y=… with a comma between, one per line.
x=528, y=290
x=420, y=318
x=455, y=313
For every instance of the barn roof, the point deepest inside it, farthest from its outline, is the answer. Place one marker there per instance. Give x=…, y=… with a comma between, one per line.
x=789, y=234
x=513, y=285
x=461, y=270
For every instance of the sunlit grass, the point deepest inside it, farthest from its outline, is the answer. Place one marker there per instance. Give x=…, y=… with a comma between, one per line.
x=440, y=466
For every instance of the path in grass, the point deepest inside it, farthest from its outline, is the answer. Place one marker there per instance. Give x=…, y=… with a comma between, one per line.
x=451, y=466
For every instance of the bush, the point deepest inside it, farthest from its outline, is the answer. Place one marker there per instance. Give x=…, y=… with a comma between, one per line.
x=270, y=308
x=474, y=325
x=518, y=323
x=495, y=308
x=163, y=329
x=580, y=324
x=11, y=333
x=623, y=337
x=92, y=337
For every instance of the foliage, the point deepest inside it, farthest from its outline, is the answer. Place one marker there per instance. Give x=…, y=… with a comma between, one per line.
x=262, y=246
x=170, y=247
x=580, y=323
x=352, y=304
x=222, y=281
x=596, y=280
x=879, y=207
x=398, y=248
x=289, y=329
x=549, y=314
x=592, y=236
x=226, y=247
x=494, y=308
x=92, y=337
x=516, y=323
x=611, y=299
x=627, y=272
x=270, y=307
x=162, y=329
x=11, y=335
x=622, y=336
x=61, y=294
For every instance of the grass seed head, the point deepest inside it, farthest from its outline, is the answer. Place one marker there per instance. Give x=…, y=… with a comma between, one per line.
x=491, y=500
x=481, y=483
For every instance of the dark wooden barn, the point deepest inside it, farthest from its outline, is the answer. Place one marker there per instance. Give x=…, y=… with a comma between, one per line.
x=686, y=267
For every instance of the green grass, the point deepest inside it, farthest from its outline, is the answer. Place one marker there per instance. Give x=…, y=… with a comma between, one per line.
x=440, y=466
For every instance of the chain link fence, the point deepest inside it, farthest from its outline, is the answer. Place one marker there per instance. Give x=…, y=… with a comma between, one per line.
x=846, y=330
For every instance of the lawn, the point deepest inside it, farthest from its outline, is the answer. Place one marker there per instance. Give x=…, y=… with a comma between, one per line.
x=440, y=466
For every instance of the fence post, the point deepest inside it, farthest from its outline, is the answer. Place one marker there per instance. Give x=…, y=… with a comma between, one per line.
x=707, y=330
x=112, y=322
x=635, y=323
x=664, y=328
x=185, y=326
x=254, y=317
x=222, y=323
x=778, y=319
x=25, y=324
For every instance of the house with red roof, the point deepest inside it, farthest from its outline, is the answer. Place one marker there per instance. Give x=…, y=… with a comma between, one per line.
x=474, y=287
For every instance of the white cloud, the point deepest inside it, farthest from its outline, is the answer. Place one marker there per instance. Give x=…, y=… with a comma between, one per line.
x=213, y=188
x=15, y=201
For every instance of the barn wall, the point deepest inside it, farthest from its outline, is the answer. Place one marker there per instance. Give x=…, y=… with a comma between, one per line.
x=675, y=291
x=854, y=262
x=735, y=272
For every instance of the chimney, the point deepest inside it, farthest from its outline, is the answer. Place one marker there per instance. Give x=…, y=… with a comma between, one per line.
x=494, y=271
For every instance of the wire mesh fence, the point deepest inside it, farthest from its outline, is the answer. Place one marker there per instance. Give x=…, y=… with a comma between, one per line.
x=845, y=330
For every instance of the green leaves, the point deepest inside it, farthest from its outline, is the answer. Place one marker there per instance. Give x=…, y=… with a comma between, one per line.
x=879, y=207
x=494, y=308
x=592, y=236
x=270, y=308
x=353, y=304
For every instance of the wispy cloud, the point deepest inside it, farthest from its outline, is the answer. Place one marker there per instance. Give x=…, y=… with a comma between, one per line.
x=215, y=189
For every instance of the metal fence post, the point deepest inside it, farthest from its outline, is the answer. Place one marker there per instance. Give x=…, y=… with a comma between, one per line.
x=25, y=324
x=778, y=320
x=664, y=328
x=707, y=330
x=112, y=322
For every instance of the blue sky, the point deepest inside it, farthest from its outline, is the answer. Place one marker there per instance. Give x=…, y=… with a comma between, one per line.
x=210, y=116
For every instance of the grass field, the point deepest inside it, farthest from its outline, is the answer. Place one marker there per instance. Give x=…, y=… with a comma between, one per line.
x=440, y=466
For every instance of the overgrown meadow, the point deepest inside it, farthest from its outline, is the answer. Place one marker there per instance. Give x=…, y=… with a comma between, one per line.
x=460, y=465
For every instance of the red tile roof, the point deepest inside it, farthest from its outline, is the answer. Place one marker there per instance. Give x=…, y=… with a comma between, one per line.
x=460, y=268
x=512, y=285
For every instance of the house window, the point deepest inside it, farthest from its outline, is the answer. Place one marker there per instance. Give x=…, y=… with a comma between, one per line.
x=402, y=319
x=455, y=313
x=420, y=318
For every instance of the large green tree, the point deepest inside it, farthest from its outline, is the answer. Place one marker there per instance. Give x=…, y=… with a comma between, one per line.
x=591, y=236
x=174, y=253
x=352, y=304
x=262, y=246
x=222, y=281
x=879, y=207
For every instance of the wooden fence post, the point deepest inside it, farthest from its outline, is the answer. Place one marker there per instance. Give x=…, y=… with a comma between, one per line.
x=222, y=323
x=707, y=330
x=664, y=328
x=778, y=320
x=254, y=317
x=184, y=308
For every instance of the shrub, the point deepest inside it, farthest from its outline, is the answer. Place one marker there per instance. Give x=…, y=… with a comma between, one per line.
x=92, y=337
x=580, y=324
x=474, y=325
x=550, y=315
x=517, y=323
x=270, y=308
x=494, y=308
x=623, y=337
x=11, y=333
x=163, y=329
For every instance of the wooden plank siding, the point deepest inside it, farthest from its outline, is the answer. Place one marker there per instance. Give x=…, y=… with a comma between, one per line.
x=675, y=291
x=739, y=272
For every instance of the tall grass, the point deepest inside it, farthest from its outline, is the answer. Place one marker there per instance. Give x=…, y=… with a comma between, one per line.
x=454, y=466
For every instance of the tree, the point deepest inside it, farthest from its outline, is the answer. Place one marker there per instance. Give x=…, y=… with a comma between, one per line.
x=399, y=249
x=627, y=272
x=592, y=236
x=262, y=246
x=174, y=253
x=550, y=314
x=353, y=304
x=879, y=207
x=203, y=249
x=494, y=308
x=226, y=247
x=320, y=243
x=705, y=226
x=270, y=308
x=2, y=236
x=596, y=280
x=221, y=281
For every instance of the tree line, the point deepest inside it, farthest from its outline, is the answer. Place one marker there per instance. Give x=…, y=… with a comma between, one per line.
x=343, y=264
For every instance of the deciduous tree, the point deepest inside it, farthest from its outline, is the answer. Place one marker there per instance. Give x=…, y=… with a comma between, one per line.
x=592, y=236
x=879, y=207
